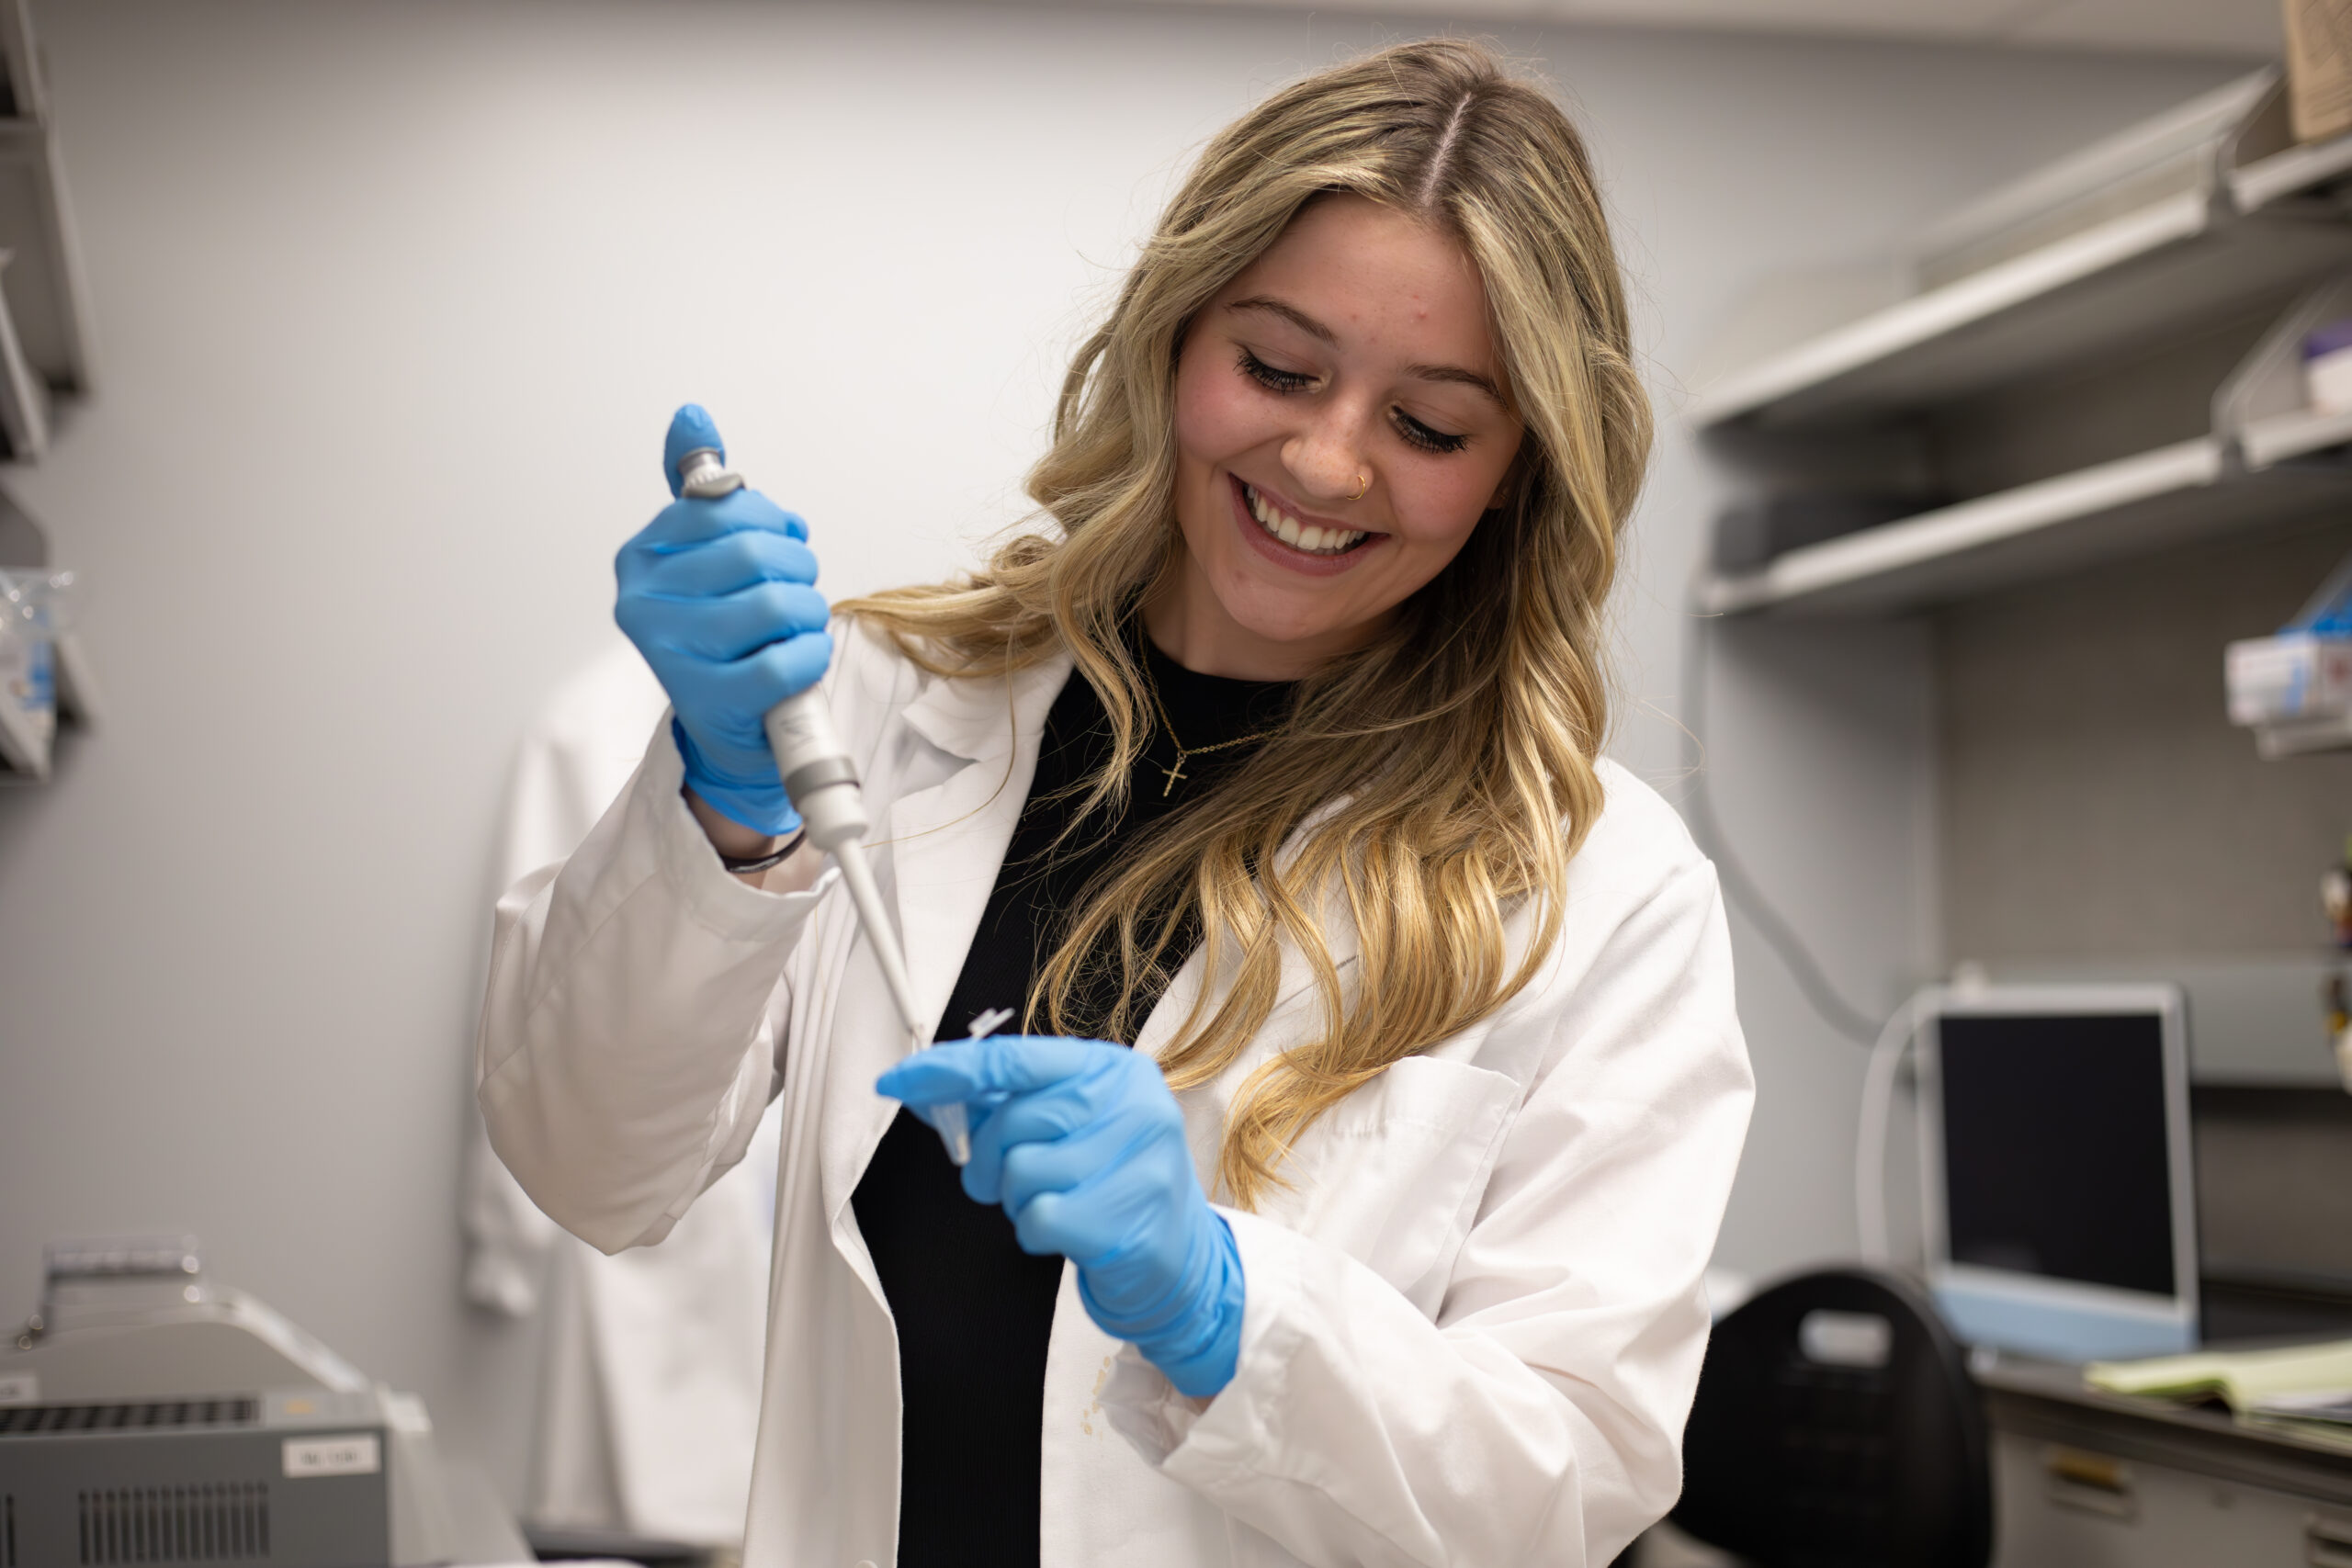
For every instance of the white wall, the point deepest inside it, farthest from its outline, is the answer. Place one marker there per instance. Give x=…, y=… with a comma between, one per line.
x=393, y=300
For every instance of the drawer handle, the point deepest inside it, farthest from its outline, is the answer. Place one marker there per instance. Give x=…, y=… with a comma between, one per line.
x=2328, y=1543
x=2094, y=1482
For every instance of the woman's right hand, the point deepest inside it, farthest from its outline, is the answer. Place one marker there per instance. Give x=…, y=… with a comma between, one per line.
x=717, y=595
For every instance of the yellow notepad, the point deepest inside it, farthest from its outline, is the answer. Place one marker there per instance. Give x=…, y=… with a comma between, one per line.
x=2244, y=1378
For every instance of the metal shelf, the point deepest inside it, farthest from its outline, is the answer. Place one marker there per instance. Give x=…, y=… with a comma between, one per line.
x=2290, y=174
x=2111, y=512
x=2164, y=266
x=46, y=295
x=2285, y=437
x=2151, y=232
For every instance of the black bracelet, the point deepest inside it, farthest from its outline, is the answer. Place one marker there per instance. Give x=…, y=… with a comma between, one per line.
x=742, y=867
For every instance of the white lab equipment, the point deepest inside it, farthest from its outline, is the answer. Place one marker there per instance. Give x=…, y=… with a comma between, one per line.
x=2294, y=689
x=651, y=1372
x=30, y=612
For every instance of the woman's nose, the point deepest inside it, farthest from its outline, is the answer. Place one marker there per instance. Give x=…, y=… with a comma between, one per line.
x=1328, y=462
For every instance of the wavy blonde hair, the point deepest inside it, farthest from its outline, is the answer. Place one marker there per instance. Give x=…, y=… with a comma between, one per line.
x=1432, y=782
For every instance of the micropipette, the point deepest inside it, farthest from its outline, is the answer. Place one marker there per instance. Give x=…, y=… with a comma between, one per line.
x=822, y=782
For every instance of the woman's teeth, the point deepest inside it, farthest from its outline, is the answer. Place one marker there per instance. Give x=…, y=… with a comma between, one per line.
x=1310, y=538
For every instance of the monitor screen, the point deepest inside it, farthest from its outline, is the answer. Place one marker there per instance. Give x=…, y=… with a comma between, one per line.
x=2054, y=1146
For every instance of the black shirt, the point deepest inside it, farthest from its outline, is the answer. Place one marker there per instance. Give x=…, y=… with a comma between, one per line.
x=974, y=1311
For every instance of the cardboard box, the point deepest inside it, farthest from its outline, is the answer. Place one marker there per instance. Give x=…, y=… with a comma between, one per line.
x=2319, y=67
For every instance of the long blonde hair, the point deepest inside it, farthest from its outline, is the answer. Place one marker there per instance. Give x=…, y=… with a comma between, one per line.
x=1435, y=781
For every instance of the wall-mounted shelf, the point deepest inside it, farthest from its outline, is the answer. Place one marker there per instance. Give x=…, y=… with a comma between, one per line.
x=2293, y=172
x=2265, y=403
x=2111, y=512
x=2174, y=223
x=2284, y=437
x=44, y=315
x=2162, y=267
x=46, y=295
x=2057, y=371
x=2266, y=458
x=46, y=681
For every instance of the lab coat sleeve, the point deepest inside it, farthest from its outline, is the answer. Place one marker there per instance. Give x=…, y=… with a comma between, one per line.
x=1538, y=1418
x=630, y=1030
x=573, y=762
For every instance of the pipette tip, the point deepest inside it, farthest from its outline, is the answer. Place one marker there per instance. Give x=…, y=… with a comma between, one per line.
x=954, y=1131
x=954, y=1122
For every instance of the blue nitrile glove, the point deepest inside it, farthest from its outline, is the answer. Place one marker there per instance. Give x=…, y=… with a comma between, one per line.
x=717, y=595
x=1083, y=1144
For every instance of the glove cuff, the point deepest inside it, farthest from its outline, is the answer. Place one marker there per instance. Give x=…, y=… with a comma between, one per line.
x=1196, y=1336
x=759, y=805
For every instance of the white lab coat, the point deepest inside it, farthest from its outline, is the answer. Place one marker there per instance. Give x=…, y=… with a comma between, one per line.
x=649, y=1389
x=1474, y=1317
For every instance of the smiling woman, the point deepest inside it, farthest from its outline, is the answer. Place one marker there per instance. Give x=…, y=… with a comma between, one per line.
x=1354, y=1208
x=1392, y=308
x=1339, y=431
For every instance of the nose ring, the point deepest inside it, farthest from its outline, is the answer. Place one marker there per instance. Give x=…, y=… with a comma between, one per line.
x=1363, y=483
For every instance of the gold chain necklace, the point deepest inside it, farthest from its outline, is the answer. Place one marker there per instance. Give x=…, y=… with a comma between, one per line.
x=1183, y=750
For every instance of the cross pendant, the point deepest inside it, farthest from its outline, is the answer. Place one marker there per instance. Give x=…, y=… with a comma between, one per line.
x=1173, y=774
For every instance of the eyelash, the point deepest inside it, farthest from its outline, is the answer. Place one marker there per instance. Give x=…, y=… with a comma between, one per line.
x=1412, y=429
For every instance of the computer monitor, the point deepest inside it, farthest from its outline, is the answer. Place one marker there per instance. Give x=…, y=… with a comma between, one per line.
x=2055, y=1166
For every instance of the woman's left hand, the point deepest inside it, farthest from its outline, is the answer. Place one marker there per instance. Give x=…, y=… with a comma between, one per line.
x=1082, y=1144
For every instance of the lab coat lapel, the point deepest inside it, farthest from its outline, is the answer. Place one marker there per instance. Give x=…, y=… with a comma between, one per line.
x=945, y=846
x=948, y=844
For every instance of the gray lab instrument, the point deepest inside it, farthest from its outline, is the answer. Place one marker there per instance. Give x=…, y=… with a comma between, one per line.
x=147, y=1416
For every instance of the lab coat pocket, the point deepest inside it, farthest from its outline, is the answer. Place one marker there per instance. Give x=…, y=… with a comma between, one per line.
x=1392, y=1175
